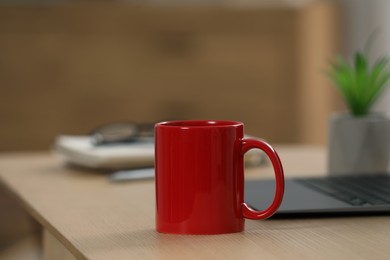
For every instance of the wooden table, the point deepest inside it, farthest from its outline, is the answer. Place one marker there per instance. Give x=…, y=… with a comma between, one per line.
x=84, y=216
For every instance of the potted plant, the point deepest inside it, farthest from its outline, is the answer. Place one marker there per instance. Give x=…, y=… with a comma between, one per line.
x=359, y=140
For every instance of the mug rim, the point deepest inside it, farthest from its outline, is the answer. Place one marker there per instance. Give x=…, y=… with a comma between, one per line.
x=186, y=124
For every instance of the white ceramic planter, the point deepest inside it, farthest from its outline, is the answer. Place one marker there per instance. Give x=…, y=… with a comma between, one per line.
x=358, y=144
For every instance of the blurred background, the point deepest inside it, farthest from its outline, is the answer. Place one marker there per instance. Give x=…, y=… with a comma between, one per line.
x=69, y=66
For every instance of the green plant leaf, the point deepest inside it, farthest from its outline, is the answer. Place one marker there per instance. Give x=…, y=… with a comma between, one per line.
x=343, y=77
x=380, y=75
x=359, y=85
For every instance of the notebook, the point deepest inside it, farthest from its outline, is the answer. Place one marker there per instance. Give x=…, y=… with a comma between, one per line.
x=331, y=195
x=79, y=150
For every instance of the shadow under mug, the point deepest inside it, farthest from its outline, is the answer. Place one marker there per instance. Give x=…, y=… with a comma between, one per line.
x=200, y=177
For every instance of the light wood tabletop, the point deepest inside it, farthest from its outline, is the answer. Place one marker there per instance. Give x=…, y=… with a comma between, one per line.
x=84, y=216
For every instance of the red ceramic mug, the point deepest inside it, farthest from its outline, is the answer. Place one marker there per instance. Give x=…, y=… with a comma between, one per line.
x=200, y=177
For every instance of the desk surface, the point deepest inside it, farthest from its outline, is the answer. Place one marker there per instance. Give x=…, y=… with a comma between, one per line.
x=95, y=219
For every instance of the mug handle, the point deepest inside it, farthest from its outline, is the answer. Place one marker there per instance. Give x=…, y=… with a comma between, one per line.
x=246, y=145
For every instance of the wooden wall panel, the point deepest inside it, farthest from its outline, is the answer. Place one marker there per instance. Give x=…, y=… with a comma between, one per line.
x=66, y=69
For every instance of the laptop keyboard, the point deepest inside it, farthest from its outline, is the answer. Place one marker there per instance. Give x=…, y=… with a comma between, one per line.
x=356, y=190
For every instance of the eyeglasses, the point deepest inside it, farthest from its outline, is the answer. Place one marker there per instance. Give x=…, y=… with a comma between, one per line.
x=122, y=132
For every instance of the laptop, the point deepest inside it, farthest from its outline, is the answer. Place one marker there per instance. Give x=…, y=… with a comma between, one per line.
x=324, y=196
